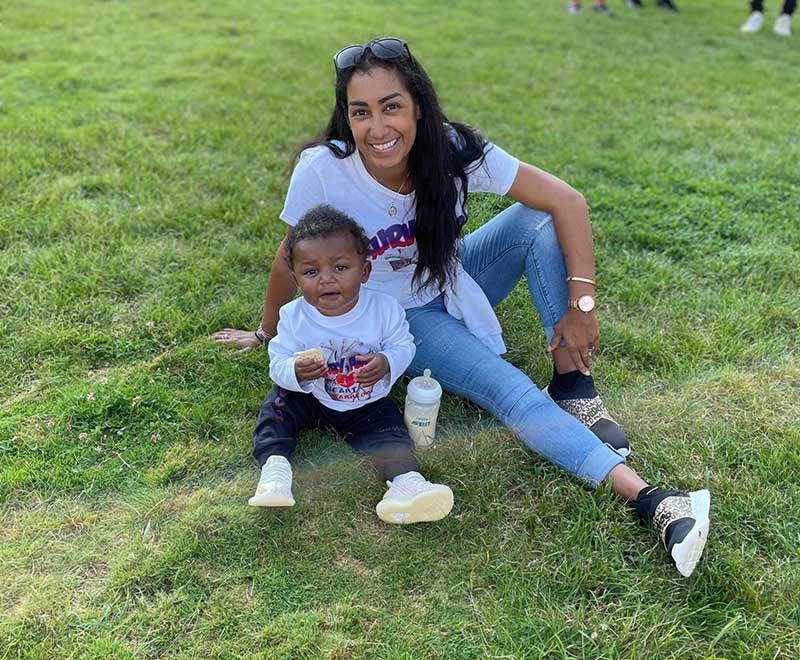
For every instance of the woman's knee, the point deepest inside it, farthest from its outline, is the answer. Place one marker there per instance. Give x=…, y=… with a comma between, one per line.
x=528, y=222
x=534, y=229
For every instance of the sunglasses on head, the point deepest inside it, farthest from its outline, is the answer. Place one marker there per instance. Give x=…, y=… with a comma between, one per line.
x=385, y=48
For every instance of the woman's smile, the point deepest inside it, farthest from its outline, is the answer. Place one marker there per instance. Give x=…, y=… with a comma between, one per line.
x=385, y=146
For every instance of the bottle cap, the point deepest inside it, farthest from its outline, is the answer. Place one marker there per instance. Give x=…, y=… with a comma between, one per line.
x=424, y=389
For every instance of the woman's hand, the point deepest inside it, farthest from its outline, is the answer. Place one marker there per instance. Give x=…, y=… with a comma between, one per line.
x=579, y=334
x=280, y=290
x=246, y=339
x=376, y=366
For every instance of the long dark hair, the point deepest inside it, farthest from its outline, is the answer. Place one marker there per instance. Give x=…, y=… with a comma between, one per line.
x=443, y=153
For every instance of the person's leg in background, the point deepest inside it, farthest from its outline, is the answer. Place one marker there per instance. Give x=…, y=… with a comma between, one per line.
x=755, y=21
x=667, y=4
x=599, y=6
x=783, y=24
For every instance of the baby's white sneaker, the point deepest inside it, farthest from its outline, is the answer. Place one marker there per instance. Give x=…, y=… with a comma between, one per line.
x=275, y=485
x=411, y=498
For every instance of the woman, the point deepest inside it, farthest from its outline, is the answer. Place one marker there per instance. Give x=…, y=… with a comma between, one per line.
x=392, y=160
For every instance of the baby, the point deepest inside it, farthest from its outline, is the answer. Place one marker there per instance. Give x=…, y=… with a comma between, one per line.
x=338, y=351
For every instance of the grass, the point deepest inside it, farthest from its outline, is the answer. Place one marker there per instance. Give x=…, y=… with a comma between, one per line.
x=143, y=154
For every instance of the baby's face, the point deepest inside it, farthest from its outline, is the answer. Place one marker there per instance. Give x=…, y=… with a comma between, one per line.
x=330, y=272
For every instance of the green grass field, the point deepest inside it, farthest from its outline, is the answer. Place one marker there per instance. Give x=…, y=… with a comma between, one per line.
x=143, y=155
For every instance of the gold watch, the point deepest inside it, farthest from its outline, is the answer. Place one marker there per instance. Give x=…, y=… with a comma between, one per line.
x=583, y=304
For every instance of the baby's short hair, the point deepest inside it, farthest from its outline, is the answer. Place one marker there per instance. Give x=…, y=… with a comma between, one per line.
x=323, y=221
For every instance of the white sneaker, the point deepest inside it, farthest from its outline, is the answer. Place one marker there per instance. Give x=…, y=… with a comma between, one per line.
x=783, y=25
x=753, y=23
x=687, y=551
x=275, y=486
x=686, y=538
x=412, y=498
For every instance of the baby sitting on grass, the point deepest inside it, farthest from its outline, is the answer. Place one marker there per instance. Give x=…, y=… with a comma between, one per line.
x=338, y=351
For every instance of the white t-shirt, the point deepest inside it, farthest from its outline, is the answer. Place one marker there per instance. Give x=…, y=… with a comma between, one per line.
x=377, y=324
x=345, y=184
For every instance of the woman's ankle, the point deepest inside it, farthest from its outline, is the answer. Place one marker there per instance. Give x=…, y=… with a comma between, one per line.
x=571, y=385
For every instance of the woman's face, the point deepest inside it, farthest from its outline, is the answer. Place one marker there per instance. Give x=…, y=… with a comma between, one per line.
x=383, y=118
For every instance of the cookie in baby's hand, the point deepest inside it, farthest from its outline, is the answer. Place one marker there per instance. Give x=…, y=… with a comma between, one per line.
x=313, y=353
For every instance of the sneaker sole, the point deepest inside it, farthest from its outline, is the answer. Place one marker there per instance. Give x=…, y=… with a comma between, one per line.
x=270, y=501
x=687, y=553
x=426, y=507
x=622, y=451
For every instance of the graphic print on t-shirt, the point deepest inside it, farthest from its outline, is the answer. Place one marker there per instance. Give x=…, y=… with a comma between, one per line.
x=394, y=239
x=402, y=257
x=343, y=365
x=397, y=243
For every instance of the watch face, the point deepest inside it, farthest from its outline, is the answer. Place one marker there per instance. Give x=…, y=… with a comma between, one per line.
x=586, y=304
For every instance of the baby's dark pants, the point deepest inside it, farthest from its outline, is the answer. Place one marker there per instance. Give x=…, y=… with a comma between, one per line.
x=375, y=430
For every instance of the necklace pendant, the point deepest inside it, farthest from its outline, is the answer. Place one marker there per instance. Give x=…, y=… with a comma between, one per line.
x=392, y=210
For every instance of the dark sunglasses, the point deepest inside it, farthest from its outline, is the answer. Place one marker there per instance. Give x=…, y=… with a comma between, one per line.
x=385, y=48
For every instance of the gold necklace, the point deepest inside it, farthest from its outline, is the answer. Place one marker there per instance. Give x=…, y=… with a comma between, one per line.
x=393, y=208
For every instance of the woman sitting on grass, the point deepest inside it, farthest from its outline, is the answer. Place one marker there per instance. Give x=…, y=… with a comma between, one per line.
x=391, y=158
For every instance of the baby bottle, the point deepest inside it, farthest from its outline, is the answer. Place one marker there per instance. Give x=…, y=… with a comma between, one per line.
x=422, y=406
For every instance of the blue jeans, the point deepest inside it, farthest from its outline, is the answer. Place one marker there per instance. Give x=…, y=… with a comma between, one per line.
x=519, y=241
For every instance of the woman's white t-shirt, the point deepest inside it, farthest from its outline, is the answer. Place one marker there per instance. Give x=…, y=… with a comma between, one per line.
x=345, y=184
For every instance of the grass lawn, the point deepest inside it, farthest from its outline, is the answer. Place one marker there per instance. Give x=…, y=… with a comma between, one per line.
x=143, y=155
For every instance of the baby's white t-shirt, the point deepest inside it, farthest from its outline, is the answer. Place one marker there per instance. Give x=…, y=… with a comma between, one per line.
x=377, y=324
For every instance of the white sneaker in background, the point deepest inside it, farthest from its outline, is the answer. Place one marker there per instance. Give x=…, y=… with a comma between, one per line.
x=275, y=486
x=412, y=498
x=753, y=23
x=783, y=25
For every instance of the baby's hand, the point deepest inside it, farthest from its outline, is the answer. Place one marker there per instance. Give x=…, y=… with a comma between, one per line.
x=309, y=368
x=376, y=366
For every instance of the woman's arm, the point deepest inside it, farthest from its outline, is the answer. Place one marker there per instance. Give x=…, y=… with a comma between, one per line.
x=537, y=189
x=280, y=290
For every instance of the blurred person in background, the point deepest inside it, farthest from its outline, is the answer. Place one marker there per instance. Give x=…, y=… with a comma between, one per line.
x=600, y=6
x=783, y=24
x=664, y=4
